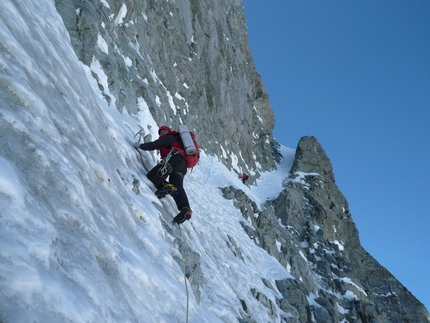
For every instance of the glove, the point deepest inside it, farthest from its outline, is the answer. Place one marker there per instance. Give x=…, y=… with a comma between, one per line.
x=136, y=145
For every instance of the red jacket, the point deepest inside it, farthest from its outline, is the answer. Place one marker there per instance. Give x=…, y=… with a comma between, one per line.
x=164, y=145
x=178, y=149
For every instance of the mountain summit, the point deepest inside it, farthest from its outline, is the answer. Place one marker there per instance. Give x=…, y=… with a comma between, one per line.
x=83, y=236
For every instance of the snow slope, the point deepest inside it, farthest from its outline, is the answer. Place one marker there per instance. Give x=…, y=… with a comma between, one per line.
x=80, y=242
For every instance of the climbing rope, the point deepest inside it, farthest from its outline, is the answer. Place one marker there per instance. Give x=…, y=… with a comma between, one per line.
x=141, y=158
x=209, y=171
x=185, y=276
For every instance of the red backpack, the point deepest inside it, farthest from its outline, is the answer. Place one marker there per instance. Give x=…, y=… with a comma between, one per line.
x=191, y=160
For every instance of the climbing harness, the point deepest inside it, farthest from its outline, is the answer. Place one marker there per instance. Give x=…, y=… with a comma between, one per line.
x=166, y=168
x=184, y=270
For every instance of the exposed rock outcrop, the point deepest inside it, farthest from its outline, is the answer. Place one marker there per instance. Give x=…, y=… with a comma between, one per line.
x=309, y=229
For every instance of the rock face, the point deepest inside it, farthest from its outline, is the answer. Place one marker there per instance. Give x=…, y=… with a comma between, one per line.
x=188, y=61
x=309, y=229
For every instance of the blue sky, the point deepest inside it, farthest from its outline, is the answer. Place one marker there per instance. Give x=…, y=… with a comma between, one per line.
x=357, y=76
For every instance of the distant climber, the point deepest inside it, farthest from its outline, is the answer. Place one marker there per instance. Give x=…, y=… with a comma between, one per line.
x=172, y=165
x=244, y=178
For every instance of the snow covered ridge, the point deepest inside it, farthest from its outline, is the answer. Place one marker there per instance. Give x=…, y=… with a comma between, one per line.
x=84, y=239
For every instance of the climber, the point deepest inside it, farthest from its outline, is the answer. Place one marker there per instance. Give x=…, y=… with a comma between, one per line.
x=244, y=178
x=172, y=165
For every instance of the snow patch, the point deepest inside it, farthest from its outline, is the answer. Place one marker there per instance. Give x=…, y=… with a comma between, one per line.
x=101, y=43
x=10, y=186
x=121, y=15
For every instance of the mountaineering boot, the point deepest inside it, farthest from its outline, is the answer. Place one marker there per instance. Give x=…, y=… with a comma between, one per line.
x=165, y=189
x=185, y=214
